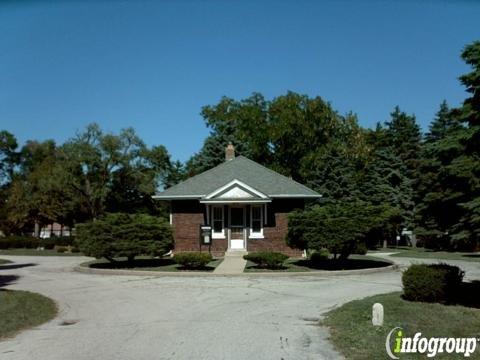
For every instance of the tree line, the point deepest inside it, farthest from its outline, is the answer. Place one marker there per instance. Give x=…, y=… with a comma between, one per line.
x=391, y=177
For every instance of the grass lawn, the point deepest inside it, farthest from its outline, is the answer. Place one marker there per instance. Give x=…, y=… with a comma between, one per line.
x=3, y=261
x=35, y=252
x=21, y=310
x=431, y=254
x=146, y=263
x=354, y=336
x=354, y=262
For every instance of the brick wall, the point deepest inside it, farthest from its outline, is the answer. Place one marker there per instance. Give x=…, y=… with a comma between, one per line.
x=275, y=231
x=187, y=216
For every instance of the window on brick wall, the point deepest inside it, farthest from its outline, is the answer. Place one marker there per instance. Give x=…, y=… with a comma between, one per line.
x=256, y=221
x=218, y=222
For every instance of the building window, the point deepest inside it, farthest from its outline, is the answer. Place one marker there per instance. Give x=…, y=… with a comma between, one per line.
x=217, y=222
x=256, y=221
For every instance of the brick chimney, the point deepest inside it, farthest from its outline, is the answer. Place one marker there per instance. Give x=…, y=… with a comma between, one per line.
x=229, y=152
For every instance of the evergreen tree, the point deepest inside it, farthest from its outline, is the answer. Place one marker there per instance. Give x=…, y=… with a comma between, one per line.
x=443, y=124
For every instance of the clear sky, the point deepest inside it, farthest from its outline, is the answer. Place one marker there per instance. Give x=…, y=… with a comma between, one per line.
x=152, y=65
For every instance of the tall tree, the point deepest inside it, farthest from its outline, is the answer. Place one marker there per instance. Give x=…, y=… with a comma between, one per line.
x=8, y=156
x=449, y=207
x=442, y=125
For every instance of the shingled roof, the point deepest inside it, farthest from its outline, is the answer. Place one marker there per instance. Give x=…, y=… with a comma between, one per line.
x=242, y=169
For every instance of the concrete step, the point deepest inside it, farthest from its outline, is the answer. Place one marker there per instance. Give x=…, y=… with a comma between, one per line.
x=235, y=253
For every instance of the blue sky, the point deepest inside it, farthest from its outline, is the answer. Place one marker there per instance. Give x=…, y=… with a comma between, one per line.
x=152, y=65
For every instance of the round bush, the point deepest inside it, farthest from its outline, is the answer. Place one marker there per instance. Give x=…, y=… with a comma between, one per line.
x=192, y=260
x=267, y=259
x=319, y=256
x=47, y=243
x=361, y=249
x=431, y=283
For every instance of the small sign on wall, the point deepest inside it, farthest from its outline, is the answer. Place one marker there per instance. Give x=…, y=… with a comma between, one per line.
x=205, y=234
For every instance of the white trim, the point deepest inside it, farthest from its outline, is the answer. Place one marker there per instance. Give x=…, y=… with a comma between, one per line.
x=244, y=227
x=247, y=201
x=171, y=217
x=236, y=182
x=175, y=197
x=256, y=235
x=218, y=235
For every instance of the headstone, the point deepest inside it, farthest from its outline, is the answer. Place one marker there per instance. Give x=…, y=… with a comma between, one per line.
x=377, y=314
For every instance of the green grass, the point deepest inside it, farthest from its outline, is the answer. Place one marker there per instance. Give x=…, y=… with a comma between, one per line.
x=3, y=261
x=431, y=254
x=354, y=262
x=21, y=310
x=35, y=252
x=355, y=337
x=146, y=263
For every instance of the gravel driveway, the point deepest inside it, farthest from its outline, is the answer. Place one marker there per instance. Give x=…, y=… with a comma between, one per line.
x=139, y=317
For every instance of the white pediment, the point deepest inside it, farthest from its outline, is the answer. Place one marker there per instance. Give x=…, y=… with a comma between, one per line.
x=236, y=193
x=236, y=190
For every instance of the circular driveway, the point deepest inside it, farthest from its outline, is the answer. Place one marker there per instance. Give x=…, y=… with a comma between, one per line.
x=141, y=317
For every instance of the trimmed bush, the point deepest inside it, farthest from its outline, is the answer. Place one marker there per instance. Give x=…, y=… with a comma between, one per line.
x=19, y=242
x=64, y=240
x=267, y=259
x=62, y=249
x=361, y=249
x=319, y=256
x=192, y=260
x=47, y=243
x=124, y=235
x=432, y=283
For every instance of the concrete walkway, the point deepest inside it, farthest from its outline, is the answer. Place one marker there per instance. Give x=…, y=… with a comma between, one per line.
x=233, y=263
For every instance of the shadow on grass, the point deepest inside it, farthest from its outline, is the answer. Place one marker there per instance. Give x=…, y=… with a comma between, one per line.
x=469, y=294
x=205, y=268
x=471, y=255
x=263, y=268
x=15, y=266
x=8, y=279
x=348, y=264
x=137, y=263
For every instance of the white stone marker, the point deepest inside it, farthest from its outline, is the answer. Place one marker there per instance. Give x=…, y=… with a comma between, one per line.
x=377, y=314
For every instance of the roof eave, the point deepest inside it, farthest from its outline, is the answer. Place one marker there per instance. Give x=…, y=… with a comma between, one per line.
x=177, y=197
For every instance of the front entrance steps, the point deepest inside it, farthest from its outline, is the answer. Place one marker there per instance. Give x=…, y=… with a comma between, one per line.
x=236, y=253
x=233, y=263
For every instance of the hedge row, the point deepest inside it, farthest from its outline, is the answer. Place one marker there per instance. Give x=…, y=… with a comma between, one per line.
x=30, y=242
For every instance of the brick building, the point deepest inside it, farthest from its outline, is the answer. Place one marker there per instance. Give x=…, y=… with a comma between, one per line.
x=242, y=206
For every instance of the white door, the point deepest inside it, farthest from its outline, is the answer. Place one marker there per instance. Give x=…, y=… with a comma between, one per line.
x=237, y=228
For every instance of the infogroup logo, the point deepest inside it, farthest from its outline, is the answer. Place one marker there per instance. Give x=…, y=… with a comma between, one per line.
x=429, y=346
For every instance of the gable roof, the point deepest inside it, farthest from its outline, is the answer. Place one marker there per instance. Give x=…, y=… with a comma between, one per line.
x=241, y=170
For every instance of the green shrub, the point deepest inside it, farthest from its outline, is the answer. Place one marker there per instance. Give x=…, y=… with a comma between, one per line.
x=19, y=242
x=124, y=235
x=267, y=259
x=361, y=249
x=64, y=240
x=192, y=260
x=61, y=249
x=5, y=243
x=75, y=250
x=47, y=243
x=431, y=283
x=319, y=256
